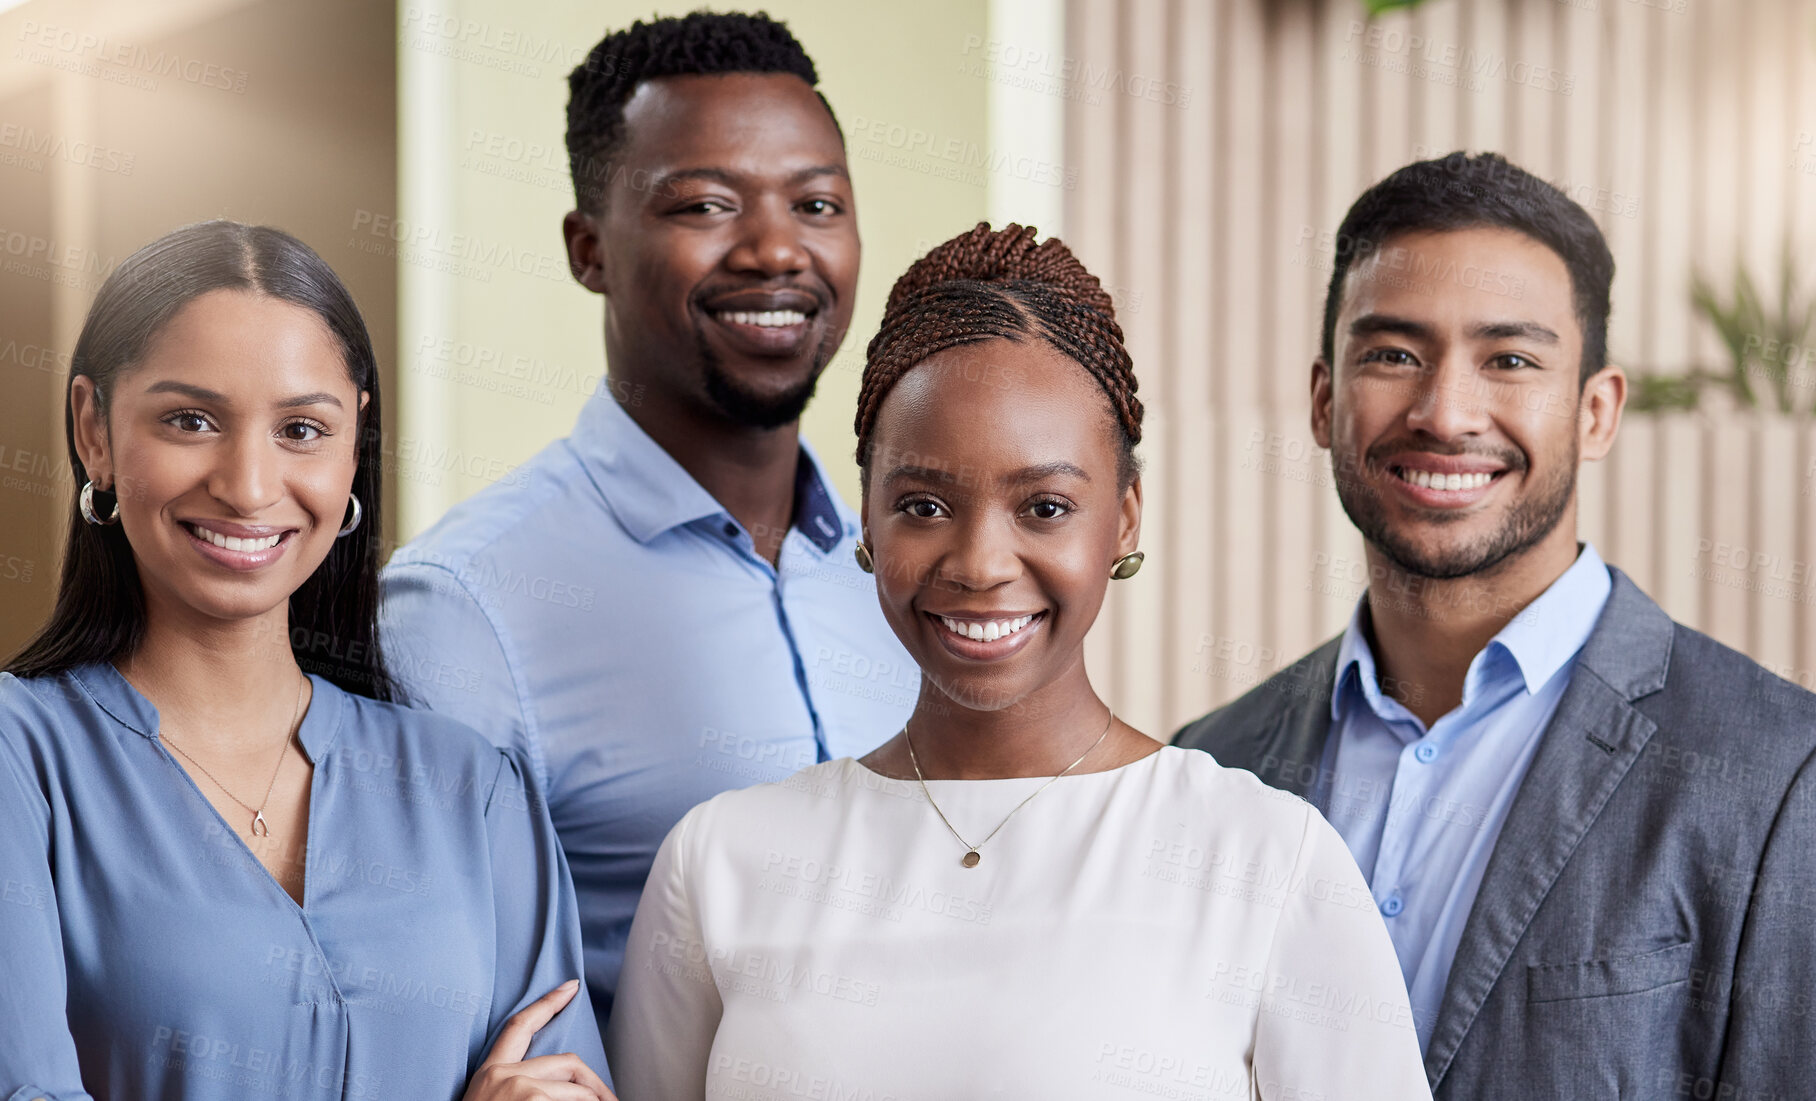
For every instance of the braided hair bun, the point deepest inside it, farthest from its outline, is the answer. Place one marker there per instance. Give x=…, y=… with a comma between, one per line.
x=999, y=284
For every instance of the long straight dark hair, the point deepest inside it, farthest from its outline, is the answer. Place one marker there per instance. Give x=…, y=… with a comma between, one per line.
x=100, y=612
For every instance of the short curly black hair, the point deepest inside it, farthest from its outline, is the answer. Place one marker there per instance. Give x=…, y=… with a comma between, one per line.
x=697, y=44
x=1460, y=191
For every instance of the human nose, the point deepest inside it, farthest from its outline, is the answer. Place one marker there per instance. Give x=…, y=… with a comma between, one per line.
x=983, y=557
x=246, y=477
x=772, y=244
x=1449, y=404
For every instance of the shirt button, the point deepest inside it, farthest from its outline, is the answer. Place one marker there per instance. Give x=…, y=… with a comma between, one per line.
x=1425, y=752
x=1393, y=904
x=731, y=531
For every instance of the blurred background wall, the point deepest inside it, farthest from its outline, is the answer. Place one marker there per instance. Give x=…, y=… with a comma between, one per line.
x=121, y=120
x=1198, y=154
x=1218, y=146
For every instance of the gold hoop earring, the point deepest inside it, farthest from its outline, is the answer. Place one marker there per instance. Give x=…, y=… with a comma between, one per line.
x=862, y=554
x=1127, y=566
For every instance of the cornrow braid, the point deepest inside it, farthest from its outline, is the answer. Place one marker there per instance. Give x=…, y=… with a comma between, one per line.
x=988, y=284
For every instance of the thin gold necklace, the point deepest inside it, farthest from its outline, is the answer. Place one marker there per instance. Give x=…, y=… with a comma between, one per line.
x=259, y=827
x=971, y=859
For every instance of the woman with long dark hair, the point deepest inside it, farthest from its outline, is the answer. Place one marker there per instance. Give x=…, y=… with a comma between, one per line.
x=233, y=867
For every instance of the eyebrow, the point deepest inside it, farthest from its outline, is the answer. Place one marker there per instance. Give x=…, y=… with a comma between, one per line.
x=1374, y=323
x=1370, y=324
x=200, y=393
x=736, y=179
x=1015, y=477
x=1514, y=330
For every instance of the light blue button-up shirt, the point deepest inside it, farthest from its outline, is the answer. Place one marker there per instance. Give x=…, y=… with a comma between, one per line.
x=1421, y=808
x=603, y=614
x=146, y=953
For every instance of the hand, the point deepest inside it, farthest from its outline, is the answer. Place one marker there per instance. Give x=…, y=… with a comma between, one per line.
x=507, y=1076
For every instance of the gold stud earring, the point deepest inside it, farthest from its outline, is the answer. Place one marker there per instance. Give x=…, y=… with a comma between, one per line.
x=862, y=554
x=1127, y=566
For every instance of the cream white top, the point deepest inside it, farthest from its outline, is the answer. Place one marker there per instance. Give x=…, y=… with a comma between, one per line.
x=1169, y=929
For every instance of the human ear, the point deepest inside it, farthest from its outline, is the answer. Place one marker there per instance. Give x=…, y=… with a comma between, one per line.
x=585, y=263
x=1598, y=412
x=1128, y=533
x=1321, y=398
x=91, y=431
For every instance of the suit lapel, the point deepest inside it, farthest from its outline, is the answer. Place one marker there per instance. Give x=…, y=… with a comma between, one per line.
x=1592, y=741
x=1292, y=747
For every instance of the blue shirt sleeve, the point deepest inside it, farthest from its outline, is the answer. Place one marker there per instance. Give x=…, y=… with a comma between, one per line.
x=448, y=654
x=538, y=920
x=37, y=1052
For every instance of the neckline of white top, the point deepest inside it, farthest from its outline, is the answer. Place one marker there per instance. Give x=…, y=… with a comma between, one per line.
x=1119, y=770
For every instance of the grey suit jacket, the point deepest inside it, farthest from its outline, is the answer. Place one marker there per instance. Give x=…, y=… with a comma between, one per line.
x=1646, y=926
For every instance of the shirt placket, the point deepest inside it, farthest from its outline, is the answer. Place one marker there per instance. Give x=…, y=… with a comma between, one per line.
x=1421, y=777
x=1412, y=783
x=741, y=543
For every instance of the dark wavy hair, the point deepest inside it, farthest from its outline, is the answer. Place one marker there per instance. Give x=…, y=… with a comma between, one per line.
x=100, y=610
x=1460, y=191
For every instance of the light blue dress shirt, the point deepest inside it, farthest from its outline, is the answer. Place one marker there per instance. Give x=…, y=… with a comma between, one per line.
x=1421, y=808
x=146, y=953
x=606, y=616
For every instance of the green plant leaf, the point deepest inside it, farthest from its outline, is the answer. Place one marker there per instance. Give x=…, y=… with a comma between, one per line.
x=1377, y=7
x=1655, y=393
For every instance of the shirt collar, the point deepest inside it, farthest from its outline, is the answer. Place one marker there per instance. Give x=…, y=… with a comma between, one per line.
x=816, y=507
x=1541, y=638
x=1548, y=632
x=1355, y=667
x=114, y=694
x=651, y=493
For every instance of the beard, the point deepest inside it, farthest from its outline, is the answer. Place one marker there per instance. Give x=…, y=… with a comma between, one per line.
x=1523, y=526
x=748, y=408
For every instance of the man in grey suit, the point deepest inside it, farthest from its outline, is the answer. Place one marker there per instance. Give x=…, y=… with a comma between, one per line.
x=1590, y=830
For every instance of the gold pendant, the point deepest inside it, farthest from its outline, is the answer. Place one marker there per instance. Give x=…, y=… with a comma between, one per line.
x=971, y=859
x=259, y=828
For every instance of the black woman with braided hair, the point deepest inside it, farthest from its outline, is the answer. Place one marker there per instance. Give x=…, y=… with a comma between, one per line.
x=1018, y=894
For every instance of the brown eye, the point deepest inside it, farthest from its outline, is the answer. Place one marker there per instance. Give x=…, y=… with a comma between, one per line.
x=1397, y=357
x=188, y=421
x=921, y=508
x=1049, y=509
x=302, y=432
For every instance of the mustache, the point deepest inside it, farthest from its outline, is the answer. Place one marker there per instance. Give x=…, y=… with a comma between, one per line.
x=1377, y=456
x=817, y=292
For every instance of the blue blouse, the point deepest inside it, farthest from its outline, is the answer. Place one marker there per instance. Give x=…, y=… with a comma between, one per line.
x=146, y=953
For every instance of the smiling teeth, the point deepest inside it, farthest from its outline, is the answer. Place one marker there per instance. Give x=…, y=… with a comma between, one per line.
x=228, y=542
x=767, y=319
x=1425, y=479
x=986, y=630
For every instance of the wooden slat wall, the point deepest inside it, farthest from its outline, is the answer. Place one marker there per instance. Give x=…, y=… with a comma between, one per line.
x=1203, y=207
